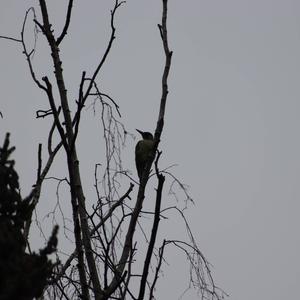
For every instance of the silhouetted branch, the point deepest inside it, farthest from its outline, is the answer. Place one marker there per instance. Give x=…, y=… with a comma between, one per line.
x=67, y=23
x=112, y=208
x=145, y=176
x=161, y=180
x=39, y=163
x=10, y=38
x=35, y=192
x=200, y=274
x=29, y=54
x=157, y=270
x=109, y=45
x=55, y=112
x=43, y=113
x=81, y=230
x=100, y=94
x=168, y=55
x=182, y=186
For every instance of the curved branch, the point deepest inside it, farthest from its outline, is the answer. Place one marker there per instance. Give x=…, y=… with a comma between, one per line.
x=28, y=54
x=68, y=19
x=112, y=37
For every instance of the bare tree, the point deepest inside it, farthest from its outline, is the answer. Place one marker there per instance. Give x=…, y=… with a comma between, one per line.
x=105, y=249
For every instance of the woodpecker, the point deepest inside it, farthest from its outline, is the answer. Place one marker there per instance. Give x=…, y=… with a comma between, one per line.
x=142, y=150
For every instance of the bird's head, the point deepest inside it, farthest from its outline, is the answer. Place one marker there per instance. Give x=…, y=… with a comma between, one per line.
x=146, y=135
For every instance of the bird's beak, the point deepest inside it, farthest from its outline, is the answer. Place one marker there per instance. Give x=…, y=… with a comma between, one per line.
x=139, y=131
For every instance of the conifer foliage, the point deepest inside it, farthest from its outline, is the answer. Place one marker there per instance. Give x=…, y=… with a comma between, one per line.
x=22, y=275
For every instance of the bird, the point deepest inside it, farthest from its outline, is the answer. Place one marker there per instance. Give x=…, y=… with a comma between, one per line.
x=142, y=150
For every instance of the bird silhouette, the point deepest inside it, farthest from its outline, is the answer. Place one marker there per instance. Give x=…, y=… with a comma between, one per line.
x=142, y=150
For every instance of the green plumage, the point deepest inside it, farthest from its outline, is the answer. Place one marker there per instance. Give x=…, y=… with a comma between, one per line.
x=142, y=150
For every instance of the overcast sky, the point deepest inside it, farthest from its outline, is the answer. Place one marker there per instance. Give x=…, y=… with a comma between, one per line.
x=232, y=123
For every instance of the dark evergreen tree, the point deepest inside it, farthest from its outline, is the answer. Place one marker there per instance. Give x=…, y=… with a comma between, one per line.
x=22, y=275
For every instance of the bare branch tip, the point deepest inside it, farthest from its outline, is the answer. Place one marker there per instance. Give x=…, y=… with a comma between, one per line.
x=10, y=38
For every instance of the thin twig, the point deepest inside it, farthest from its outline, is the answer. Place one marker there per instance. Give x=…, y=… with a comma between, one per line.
x=109, y=45
x=10, y=38
x=156, y=276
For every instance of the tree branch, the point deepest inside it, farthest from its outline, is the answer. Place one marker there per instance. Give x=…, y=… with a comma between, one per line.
x=68, y=19
x=28, y=54
x=161, y=255
x=109, y=45
x=10, y=38
x=81, y=230
x=161, y=180
x=168, y=55
x=145, y=176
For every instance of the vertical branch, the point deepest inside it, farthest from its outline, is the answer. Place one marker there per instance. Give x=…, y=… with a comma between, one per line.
x=141, y=193
x=80, y=216
x=82, y=233
x=168, y=58
x=46, y=29
x=39, y=162
x=161, y=180
x=79, y=246
x=160, y=259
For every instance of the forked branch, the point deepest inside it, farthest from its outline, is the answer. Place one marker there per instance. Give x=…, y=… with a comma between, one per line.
x=141, y=193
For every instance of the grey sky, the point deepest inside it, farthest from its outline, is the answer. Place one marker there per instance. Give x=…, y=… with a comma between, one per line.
x=232, y=120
